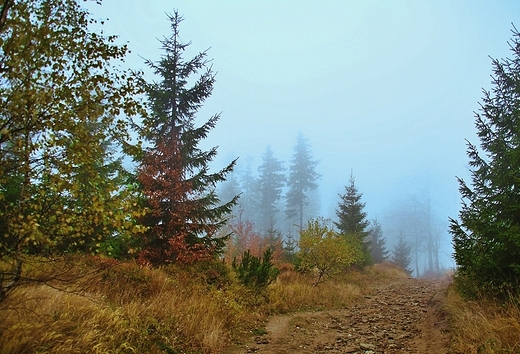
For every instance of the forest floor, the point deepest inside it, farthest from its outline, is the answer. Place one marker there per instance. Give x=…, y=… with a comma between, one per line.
x=404, y=316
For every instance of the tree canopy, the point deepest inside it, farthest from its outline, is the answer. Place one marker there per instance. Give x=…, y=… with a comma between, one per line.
x=62, y=98
x=486, y=238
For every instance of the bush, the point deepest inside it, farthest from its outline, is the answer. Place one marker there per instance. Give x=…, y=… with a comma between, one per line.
x=256, y=273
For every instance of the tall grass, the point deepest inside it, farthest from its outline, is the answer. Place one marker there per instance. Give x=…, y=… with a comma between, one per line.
x=123, y=308
x=483, y=326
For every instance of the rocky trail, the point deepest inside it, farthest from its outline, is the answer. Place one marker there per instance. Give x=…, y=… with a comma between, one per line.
x=401, y=317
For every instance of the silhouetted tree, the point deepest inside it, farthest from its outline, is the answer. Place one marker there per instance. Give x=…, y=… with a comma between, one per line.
x=302, y=180
x=352, y=217
x=487, y=237
x=401, y=254
x=377, y=242
x=229, y=189
x=184, y=210
x=271, y=180
x=248, y=202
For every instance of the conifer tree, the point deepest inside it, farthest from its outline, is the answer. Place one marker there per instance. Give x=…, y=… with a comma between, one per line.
x=290, y=246
x=377, y=242
x=401, y=254
x=302, y=180
x=352, y=217
x=486, y=238
x=185, y=213
x=250, y=196
x=270, y=183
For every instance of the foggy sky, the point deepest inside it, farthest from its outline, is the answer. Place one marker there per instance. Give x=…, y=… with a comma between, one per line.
x=386, y=89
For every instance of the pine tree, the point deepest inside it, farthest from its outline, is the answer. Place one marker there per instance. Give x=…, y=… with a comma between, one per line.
x=302, y=180
x=352, y=217
x=248, y=203
x=185, y=212
x=486, y=239
x=229, y=190
x=401, y=254
x=270, y=183
x=289, y=249
x=377, y=243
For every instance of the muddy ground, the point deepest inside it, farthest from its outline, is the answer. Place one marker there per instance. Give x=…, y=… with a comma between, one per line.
x=404, y=316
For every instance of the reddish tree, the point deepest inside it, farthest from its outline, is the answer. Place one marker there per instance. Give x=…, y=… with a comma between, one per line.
x=245, y=238
x=185, y=213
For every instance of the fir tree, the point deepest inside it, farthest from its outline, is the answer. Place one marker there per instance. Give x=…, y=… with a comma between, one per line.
x=352, y=217
x=250, y=196
x=185, y=212
x=377, y=243
x=302, y=180
x=270, y=183
x=401, y=254
x=289, y=249
x=486, y=239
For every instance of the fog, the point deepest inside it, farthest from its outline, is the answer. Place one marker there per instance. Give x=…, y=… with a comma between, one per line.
x=385, y=90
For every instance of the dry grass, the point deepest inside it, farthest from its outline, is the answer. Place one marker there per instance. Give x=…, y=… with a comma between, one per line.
x=483, y=326
x=122, y=308
x=127, y=309
x=294, y=291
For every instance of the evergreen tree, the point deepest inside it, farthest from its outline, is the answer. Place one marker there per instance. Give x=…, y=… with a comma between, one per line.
x=377, y=243
x=229, y=189
x=184, y=210
x=486, y=239
x=302, y=180
x=270, y=183
x=352, y=217
x=273, y=240
x=290, y=246
x=248, y=203
x=401, y=254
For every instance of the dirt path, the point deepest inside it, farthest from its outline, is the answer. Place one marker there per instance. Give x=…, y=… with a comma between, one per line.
x=402, y=317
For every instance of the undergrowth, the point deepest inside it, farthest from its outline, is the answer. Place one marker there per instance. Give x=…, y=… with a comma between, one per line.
x=483, y=325
x=119, y=307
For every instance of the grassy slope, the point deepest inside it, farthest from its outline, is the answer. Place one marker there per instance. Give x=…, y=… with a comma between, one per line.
x=108, y=307
x=122, y=308
x=483, y=326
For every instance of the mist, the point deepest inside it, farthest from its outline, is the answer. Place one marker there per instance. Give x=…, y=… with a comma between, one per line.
x=383, y=91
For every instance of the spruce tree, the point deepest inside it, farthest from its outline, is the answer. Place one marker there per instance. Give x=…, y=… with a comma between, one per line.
x=271, y=180
x=377, y=247
x=302, y=180
x=185, y=212
x=352, y=217
x=249, y=199
x=486, y=238
x=401, y=254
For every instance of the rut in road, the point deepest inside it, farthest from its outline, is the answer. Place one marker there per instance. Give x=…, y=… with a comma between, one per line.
x=402, y=317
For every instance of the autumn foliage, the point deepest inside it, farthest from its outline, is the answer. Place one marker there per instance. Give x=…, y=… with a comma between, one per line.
x=184, y=213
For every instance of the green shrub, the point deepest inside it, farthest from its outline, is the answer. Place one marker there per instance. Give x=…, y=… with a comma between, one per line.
x=254, y=272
